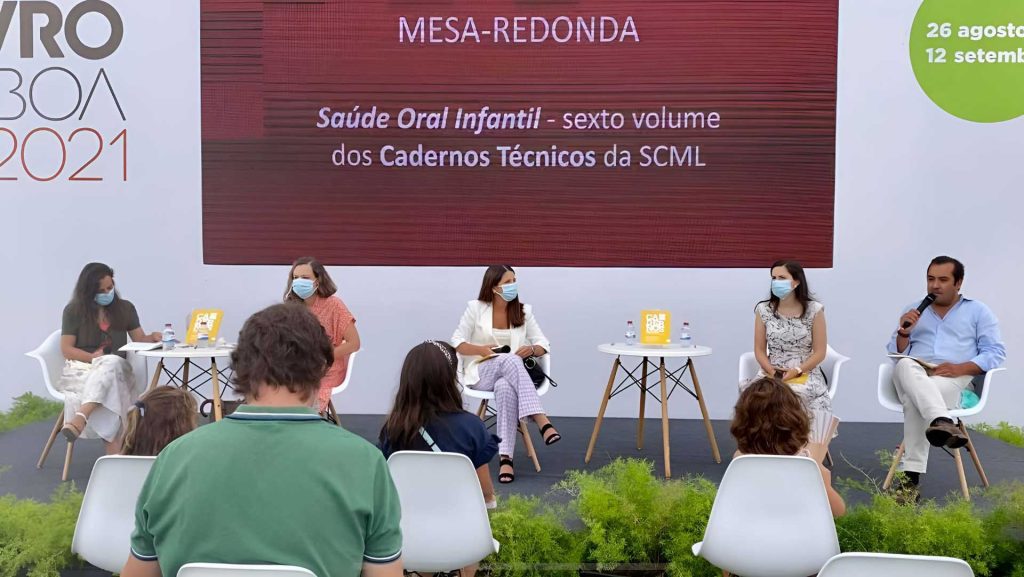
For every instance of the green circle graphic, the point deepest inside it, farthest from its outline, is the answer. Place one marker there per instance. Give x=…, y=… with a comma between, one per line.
x=968, y=57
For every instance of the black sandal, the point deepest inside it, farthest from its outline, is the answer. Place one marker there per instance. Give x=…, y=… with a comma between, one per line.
x=505, y=478
x=554, y=438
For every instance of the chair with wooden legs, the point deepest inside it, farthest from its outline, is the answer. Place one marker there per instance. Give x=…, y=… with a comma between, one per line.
x=51, y=360
x=486, y=397
x=888, y=398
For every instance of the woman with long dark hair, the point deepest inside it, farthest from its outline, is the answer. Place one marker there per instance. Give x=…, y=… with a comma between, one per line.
x=790, y=339
x=309, y=284
x=428, y=413
x=98, y=385
x=495, y=320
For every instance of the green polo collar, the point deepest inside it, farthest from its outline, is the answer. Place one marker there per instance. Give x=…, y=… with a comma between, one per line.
x=259, y=413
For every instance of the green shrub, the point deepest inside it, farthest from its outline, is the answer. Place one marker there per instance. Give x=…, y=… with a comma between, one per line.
x=621, y=508
x=886, y=526
x=36, y=537
x=689, y=508
x=28, y=408
x=1004, y=431
x=534, y=541
x=1004, y=528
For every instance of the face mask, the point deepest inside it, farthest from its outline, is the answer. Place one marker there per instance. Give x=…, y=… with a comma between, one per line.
x=781, y=288
x=509, y=291
x=104, y=299
x=303, y=287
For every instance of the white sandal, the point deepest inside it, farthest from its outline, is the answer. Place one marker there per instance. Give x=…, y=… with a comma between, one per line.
x=71, y=431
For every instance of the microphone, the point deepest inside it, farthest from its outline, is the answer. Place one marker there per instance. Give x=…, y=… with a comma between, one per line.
x=928, y=300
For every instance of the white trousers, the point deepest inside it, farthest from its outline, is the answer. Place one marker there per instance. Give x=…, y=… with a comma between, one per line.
x=925, y=398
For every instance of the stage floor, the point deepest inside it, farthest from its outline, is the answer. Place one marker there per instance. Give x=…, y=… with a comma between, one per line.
x=855, y=448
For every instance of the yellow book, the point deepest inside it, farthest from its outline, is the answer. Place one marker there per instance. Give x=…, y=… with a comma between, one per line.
x=210, y=317
x=800, y=380
x=655, y=327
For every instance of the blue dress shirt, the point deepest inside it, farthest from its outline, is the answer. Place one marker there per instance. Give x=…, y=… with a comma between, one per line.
x=968, y=332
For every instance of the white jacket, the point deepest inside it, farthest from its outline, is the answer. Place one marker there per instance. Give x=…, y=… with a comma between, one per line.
x=477, y=328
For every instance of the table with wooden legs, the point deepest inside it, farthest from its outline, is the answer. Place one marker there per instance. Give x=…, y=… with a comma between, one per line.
x=181, y=376
x=648, y=366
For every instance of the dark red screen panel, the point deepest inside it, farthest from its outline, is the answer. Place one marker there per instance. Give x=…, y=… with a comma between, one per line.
x=271, y=191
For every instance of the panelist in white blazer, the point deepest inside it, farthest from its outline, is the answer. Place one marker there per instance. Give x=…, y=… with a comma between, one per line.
x=494, y=320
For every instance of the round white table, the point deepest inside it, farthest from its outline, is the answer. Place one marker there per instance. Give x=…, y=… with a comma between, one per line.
x=188, y=356
x=646, y=353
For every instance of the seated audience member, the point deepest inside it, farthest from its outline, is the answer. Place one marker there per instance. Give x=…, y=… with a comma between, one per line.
x=770, y=420
x=309, y=284
x=428, y=416
x=958, y=334
x=428, y=398
x=498, y=320
x=158, y=417
x=271, y=483
x=790, y=339
x=97, y=381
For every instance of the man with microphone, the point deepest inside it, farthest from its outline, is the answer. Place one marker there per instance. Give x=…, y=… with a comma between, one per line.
x=958, y=335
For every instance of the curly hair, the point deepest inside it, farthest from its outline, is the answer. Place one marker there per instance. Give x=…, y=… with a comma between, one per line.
x=770, y=419
x=159, y=417
x=281, y=346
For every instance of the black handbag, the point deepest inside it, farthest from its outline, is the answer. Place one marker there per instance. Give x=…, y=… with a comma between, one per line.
x=537, y=374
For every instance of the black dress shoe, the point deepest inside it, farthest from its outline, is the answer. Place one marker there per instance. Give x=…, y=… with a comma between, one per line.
x=943, y=433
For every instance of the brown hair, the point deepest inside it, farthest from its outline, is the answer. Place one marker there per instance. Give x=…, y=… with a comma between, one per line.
x=159, y=417
x=770, y=419
x=492, y=276
x=325, y=285
x=427, y=387
x=802, y=292
x=83, y=304
x=281, y=346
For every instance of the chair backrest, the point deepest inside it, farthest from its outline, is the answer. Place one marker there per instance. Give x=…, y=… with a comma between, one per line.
x=107, y=518
x=227, y=570
x=770, y=518
x=888, y=398
x=348, y=374
x=831, y=365
x=51, y=360
x=444, y=519
x=887, y=565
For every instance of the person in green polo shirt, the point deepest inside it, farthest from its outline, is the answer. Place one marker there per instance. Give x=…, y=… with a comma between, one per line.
x=271, y=483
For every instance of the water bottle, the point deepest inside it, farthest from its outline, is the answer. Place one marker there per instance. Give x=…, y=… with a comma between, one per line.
x=168, y=337
x=684, y=336
x=630, y=333
x=202, y=336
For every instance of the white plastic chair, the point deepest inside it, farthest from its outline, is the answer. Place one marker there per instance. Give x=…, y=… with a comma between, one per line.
x=51, y=360
x=486, y=397
x=107, y=518
x=888, y=398
x=832, y=364
x=435, y=490
x=887, y=565
x=228, y=570
x=331, y=412
x=771, y=518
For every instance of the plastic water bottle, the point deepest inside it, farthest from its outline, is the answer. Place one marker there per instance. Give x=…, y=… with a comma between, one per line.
x=684, y=336
x=630, y=333
x=202, y=336
x=168, y=337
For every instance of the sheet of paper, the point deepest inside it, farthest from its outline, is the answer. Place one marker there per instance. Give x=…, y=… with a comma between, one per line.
x=140, y=347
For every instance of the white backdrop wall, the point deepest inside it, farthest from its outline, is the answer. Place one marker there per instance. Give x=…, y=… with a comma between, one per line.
x=912, y=182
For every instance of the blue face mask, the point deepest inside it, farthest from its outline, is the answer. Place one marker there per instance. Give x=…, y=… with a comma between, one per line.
x=509, y=291
x=104, y=299
x=303, y=288
x=782, y=287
